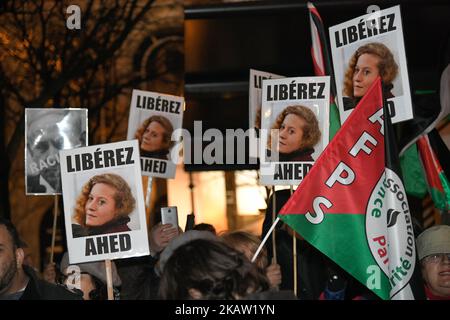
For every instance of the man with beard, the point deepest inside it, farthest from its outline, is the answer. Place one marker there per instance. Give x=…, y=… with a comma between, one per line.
x=18, y=281
x=48, y=131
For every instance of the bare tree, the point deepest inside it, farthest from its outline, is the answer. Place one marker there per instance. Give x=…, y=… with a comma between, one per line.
x=45, y=64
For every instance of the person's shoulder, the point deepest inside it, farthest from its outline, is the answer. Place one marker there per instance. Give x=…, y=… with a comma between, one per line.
x=38, y=289
x=50, y=291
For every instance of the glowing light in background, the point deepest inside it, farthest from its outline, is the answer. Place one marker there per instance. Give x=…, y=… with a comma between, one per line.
x=250, y=196
x=209, y=197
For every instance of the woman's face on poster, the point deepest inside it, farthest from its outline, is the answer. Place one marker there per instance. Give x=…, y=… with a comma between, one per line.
x=100, y=206
x=291, y=133
x=153, y=137
x=365, y=73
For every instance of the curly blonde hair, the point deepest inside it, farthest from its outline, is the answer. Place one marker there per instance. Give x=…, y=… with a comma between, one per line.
x=164, y=122
x=123, y=198
x=387, y=67
x=311, y=131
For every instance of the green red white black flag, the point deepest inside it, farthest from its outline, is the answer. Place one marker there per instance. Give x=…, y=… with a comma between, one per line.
x=404, y=270
x=354, y=209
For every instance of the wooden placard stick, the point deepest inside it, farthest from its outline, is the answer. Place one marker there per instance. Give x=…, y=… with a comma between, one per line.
x=148, y=194
x=109, y=282
x=55, y=217
x=274, y=215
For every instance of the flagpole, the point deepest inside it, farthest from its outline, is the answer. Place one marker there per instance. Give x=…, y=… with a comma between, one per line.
x=274, y=214
x=294, y=249
x=265, y=240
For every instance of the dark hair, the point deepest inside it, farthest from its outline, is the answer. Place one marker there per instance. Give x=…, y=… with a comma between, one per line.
x=101, y=290
x=205, y=227
x=211, y=267
x=241, y=240
x=17, y=243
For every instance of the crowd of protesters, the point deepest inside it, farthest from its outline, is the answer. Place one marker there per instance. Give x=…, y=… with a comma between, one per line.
x=200, y=264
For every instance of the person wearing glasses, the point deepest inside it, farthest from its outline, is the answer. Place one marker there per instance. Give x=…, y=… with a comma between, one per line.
x=433, y=247
x=48, y=131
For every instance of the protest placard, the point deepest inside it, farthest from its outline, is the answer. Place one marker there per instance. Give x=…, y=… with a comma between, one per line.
x=362, y=49
x=254, y=103
x=46, y=132
x=294, y=127
x=154, y=120
x=103, y=202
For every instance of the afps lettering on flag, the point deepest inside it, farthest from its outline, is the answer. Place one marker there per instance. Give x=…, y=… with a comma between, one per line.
x=353, y=209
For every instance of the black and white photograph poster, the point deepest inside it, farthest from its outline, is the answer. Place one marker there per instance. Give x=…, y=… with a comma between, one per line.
x=47, y=131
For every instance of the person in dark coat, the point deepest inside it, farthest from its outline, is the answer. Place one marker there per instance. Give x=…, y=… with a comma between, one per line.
x=318, y=277
x=311, y=268
x=18, y=281
x=199, y=265
x=139, y=279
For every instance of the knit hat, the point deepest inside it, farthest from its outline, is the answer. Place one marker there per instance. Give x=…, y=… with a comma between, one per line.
x=179, y=241
x=433, y=240
x=96, y=269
